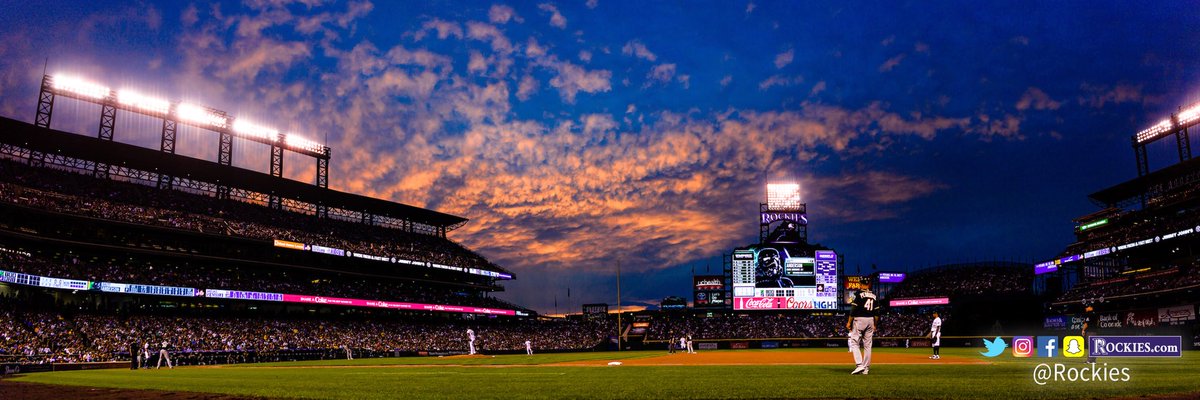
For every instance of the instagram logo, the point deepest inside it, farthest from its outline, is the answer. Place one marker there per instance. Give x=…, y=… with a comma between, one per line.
x=1022, y=346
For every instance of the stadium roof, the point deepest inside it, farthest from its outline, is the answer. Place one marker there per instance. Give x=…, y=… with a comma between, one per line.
x=67, y=144
x=1134, y=188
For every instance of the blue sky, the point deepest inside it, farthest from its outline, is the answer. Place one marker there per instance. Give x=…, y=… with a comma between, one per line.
x=576, y=134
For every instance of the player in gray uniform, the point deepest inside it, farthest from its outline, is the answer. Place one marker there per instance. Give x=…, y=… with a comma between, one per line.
x=471, y=341
x=163, y=355
x=528, y=348
x=861, y=325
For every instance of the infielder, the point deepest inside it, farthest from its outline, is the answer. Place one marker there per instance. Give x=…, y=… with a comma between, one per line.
x=163, y=355
x=528, y=348
x=861, y=325
x=349, y=353
x=690, y=350
x=935, y=333
x=683, y=343
x=470, y=341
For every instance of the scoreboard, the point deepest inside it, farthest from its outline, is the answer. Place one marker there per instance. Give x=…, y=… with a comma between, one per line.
x=777, y=276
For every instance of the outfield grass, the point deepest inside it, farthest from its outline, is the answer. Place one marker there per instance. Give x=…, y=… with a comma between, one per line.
x=1005, y=377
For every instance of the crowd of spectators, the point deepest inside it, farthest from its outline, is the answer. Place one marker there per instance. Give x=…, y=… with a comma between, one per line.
x=782, y=326
x=71, y=193
x=216, y=276
x=43, y=337
x=966, y=279
x=1133, y=227
x=1134, y=284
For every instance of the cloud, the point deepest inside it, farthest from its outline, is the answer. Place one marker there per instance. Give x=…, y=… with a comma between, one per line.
x=1098, y=96
x=780, y=80
x=1036, y=99
x=556, y=19
x=444, y=29
x=527, y=87
x=750, y=7
x=726, y=80
x=1007, y=127
x=639, y=50
x=489, y=33
x=585, y=56
x=891, y=63
x=501, y=14
x=784, y=58
x=592, y=3
x=570, y=79
x=817, y=89
x=662, y=73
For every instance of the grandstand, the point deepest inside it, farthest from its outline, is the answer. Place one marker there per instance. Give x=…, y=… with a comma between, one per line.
x=106, y=245
x=1135, y=260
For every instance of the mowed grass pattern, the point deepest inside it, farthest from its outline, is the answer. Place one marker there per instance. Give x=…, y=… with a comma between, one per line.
x=519, y=376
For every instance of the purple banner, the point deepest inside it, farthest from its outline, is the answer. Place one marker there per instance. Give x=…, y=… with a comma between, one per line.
x=1044, y=268
x=891, y=277
x=1135, y=346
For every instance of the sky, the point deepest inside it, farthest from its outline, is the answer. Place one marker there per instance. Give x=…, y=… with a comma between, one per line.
x=576, y=135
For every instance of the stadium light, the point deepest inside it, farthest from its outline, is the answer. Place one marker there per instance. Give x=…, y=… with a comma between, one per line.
x=783, y=196
x=248, y=128
x=1185, y=117
x=200, y=115
x=304, y=144
x=80, y=87
x=145, y=103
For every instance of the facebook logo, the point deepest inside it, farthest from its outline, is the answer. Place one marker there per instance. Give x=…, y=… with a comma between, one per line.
x=1047, y=346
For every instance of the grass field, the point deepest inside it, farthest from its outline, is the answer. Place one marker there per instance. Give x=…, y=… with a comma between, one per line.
x=519, y=376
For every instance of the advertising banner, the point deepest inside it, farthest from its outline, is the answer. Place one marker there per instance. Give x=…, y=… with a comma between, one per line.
x=1135, y=346
x=1056, y=322
x=919, y=302
x=1176, y=315
x=785, y=303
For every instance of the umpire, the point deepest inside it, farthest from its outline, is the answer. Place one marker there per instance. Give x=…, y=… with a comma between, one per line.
x=861, y=325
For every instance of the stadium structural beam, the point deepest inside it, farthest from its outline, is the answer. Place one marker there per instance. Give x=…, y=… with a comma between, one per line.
x=1143, y=164
x=275, y=202
x=108, y=122
x=323, y=181
x=167, y=145
x=224, y=157
x=45, y=111
x=1182, y=142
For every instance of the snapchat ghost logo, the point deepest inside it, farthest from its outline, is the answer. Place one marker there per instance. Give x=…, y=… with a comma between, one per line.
x=1073, y=346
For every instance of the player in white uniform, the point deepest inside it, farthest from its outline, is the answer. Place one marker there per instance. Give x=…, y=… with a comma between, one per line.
x=935, y=333
x=528, y=348
x=683, y=343
x=471, y=341
x=690, y=350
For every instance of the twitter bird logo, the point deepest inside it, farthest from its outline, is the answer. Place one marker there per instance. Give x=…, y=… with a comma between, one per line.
x=994, y=347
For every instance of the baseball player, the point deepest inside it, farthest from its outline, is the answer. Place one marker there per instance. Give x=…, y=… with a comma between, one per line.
x=690, y=350
x=528, y=348
x=145, y=356
x=163, y=355
x=935, y=333
x=471, y=341
x=683, y=343
x=1090, y=323
x=349, y=353
x=133, y=356
x=861, y=325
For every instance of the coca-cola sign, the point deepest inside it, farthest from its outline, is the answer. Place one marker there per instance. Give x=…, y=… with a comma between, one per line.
x=781, y=303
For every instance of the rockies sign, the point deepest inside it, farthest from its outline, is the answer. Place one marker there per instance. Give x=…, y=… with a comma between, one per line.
x=771, y=217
